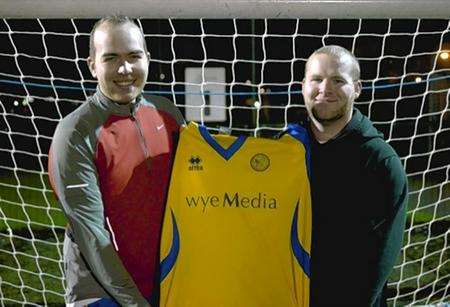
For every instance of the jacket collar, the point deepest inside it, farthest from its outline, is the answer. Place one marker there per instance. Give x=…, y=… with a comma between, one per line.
x=105, y=103
x=353, y=125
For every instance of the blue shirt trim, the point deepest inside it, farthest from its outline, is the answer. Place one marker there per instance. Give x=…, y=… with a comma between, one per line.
x=302, y=256
x=226, y=153
x=168, y=262
x=302, y=135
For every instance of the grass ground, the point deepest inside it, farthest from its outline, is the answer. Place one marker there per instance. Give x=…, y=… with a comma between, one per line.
x=31, y=269
x=31, y=236
x=423, y=266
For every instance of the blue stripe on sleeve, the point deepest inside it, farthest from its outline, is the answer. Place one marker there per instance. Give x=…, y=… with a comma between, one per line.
x=301, y=134
x=300, y=254
x=168, y=262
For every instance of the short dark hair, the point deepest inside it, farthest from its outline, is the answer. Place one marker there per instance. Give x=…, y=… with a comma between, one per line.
x=113, y=20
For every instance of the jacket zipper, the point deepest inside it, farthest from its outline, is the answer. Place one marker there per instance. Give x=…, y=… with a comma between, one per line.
x=141, y=135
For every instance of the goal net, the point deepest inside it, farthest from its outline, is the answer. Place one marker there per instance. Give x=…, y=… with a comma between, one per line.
x=239, y=74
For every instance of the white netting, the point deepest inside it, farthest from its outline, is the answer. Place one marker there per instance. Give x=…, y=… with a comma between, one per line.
x=246, y=74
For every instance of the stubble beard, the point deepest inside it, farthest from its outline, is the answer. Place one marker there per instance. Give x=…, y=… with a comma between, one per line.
x=329, y=120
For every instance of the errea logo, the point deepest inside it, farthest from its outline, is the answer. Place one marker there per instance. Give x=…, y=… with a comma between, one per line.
x=195, y=163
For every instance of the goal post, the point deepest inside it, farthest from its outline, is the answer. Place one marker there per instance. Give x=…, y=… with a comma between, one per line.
x=236, y=66
x=227, y=8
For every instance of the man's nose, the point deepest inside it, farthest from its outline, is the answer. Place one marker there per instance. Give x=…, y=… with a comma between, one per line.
x=326, y=85
x=125, y=68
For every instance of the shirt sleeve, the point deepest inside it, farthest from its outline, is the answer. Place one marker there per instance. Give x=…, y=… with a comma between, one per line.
x=389, y=230
x=75, y=181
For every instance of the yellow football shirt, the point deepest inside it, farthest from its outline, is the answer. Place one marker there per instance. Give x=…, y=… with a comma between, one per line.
x=237, y=226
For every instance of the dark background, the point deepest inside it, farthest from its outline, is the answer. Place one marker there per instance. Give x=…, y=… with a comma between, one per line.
x=46, y=59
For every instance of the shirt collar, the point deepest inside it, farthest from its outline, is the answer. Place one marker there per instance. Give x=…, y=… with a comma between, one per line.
x=106, y=103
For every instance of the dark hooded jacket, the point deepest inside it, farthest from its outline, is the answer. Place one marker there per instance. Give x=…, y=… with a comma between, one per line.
x=359, y=198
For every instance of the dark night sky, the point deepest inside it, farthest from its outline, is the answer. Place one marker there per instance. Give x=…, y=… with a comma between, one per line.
x=409, y=51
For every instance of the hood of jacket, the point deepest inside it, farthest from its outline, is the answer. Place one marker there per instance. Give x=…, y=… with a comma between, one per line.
x=360, y=129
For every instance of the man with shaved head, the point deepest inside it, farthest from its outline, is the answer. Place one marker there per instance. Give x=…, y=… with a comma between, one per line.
x=109, y=165
x=359, y=188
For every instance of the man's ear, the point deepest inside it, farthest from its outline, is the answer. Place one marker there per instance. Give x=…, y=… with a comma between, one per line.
x=358, y=89
x=302, y=84
x=91, y=65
